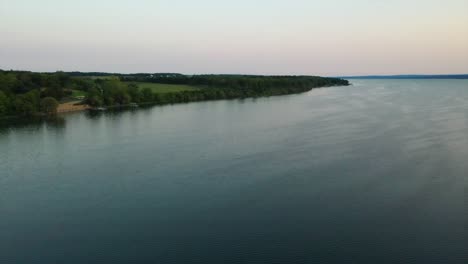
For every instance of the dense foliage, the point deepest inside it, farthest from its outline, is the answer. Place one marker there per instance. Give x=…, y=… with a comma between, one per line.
x=21, y=92
x=49, y=105
x=254, y=82
x=25, y=93
x=229, y=86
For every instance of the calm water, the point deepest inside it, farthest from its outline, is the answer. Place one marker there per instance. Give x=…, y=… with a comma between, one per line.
x=372, y=173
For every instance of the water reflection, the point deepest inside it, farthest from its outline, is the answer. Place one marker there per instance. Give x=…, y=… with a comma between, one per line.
x=34, y=123
x=116, y=112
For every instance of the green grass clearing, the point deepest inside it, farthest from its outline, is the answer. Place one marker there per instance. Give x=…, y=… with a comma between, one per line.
x=76, y=93
x=165, y=88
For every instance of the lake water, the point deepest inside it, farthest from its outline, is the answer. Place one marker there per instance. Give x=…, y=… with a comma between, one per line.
x=371, y=173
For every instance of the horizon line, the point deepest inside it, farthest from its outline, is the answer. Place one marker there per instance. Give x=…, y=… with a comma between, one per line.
x=252, y=74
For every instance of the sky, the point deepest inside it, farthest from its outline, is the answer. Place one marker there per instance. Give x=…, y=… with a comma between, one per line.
x=329, y=38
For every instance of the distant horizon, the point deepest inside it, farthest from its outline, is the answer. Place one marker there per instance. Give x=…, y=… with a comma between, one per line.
x=226, y=73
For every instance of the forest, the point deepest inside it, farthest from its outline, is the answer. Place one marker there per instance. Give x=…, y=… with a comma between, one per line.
x=30, y=93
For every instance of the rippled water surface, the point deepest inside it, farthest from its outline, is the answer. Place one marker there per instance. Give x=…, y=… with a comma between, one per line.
x=371, y=173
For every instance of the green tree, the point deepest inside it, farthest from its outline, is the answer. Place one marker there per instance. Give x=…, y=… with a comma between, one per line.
x=49, y=105
x=34, y=98
x=147, y=94
x=54, y=87
x=23, y=106
x=135, y=93
x=95, y=101
x=94, y=97
x=3, y=104
x=8, y=82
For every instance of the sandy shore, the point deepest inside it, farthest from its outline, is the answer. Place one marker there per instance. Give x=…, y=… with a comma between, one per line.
x=71, y=107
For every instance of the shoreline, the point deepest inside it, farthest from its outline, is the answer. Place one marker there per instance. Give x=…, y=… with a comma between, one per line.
x=77, y=106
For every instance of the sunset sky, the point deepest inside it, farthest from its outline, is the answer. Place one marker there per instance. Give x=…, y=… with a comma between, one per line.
x=331, y=38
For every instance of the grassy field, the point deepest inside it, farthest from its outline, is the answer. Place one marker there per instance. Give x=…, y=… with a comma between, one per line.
x=76, y=93
x=165, y=88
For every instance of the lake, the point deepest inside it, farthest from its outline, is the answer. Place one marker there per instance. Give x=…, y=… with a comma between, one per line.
x=371, y=173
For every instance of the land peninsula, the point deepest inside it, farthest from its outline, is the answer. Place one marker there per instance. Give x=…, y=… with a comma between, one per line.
x=24, y=93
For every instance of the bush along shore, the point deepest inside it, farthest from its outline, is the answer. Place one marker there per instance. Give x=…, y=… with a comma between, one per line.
x=29, y=93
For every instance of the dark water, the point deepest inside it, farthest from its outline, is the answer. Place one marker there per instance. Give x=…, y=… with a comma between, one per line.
x=372, y=173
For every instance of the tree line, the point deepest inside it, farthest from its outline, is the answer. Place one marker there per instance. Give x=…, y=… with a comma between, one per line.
x=211, y=87
x=28, y=93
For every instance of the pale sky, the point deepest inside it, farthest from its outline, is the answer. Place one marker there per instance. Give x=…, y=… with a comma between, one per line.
x=333, y=37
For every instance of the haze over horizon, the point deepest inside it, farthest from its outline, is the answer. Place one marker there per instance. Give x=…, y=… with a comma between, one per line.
x=333, y=38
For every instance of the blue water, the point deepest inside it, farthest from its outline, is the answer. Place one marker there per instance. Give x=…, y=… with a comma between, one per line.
x=371, y=173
